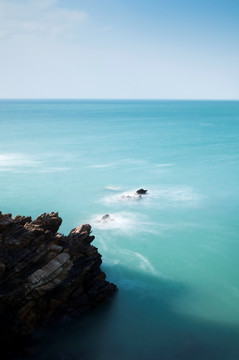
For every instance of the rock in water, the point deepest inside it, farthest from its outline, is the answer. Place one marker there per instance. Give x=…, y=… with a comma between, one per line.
x=105, y=217
x=44, y=274
x=141, y=192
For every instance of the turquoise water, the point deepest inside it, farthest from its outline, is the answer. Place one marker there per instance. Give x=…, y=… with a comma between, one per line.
x=173, y=253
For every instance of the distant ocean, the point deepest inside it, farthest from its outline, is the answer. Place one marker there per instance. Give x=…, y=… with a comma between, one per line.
x=173, y=253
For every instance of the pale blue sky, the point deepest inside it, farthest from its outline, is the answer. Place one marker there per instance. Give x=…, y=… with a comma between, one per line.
x=171, y=49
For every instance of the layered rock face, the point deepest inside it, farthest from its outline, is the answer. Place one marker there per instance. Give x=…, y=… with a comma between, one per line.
x=44, y=274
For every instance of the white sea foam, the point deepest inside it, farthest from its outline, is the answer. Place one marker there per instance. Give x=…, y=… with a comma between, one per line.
x=113, y=188
x=177, y=193
x=114, y=255
x=126, y=196
x=140, y=261
x=160, y=196
x=122, y=220
x=54, y=169
x=14, y=161
x=100, y=166
x=110, y=261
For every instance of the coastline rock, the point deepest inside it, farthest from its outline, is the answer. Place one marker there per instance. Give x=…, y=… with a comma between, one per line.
x=45, y=275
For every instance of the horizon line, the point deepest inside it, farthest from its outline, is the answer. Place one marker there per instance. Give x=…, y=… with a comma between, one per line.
x=123, y=99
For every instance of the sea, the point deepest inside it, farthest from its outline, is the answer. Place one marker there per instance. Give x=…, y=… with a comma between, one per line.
x=173, y=252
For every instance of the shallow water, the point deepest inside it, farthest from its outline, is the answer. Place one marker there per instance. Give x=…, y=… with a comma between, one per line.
x=173, y=253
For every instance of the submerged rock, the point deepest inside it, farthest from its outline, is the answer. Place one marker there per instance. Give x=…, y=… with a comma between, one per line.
x=44, y=274
x=127, y=197
x=105, y=218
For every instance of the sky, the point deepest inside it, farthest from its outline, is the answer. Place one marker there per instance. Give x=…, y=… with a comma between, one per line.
x=119, y=49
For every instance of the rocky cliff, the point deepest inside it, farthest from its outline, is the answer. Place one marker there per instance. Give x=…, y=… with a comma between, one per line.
x=44, y=274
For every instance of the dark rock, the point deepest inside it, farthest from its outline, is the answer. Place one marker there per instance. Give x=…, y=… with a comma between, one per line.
x=105, y=217
x=45, y=275
x=141, y=192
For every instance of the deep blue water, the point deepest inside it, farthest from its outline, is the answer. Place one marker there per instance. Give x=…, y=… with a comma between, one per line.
x=173, y=253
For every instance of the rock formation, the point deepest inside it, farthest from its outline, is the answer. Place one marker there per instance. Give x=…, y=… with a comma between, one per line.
x=141, y=192
x=44, y=274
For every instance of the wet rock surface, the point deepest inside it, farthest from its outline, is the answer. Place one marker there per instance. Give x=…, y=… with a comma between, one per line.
x=141, y=192
x=45, y=275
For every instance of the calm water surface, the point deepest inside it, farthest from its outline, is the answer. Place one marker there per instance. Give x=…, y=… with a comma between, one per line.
x=173, y=253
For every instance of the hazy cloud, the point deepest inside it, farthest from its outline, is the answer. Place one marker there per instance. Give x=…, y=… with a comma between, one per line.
x=41, y=18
